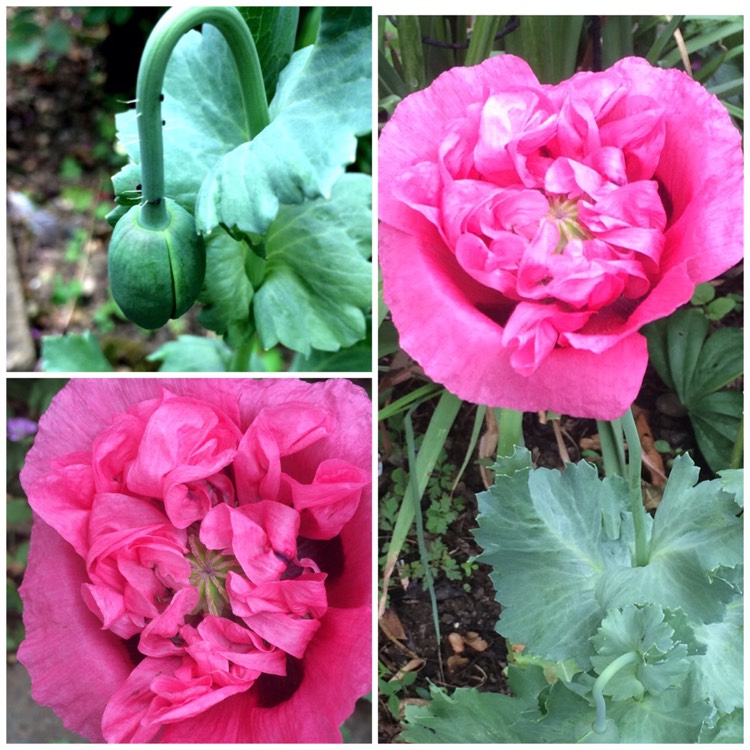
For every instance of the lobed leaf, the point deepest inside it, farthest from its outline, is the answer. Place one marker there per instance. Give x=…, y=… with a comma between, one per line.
x=647, y=630
x=542, y=531
x=317, y=282
x=466, y=716
x=696, y=531
x=323, y=101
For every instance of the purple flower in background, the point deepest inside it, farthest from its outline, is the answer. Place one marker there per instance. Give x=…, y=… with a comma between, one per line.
x=20, y=427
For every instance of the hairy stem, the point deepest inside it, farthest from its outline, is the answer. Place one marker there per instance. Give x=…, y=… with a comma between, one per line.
x=600, y=723
x=167, y=32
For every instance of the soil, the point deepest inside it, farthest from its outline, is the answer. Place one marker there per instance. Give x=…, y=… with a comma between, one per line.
x=61, y=111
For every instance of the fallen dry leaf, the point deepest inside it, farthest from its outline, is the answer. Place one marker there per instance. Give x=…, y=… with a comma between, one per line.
x=475, y=641
x=455, y=661
x=488, y=447
x=592, y=443
x=391, y=625
x=651, y=457
x=457, y=643
x=411, y=666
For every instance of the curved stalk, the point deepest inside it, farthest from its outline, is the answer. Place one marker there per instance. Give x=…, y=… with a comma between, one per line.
x=167, y=32
x=600, y=722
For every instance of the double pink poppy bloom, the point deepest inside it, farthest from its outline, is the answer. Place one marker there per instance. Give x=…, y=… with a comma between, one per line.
x=529, y=231
x=200, y=559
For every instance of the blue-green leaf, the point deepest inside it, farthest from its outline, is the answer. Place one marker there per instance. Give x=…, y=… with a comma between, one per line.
x=466, y=716
x=542, y=531
x=73, y=352
x=696, y=531
x=227, y=290
x=646, y=630
x=317, y=281
x=323, y=101
x=192, y=354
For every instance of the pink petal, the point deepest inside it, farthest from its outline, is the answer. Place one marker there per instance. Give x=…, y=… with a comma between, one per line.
x=65, y=644
x=441, y=316
x=407, y=142
x=185, y=440
x=277, y=432
x=63, y=497
x=328, y=504
x=285, y=613
x=122, y=721
x=336, y=670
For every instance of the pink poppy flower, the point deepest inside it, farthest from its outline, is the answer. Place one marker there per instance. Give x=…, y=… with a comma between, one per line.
x=529, y=231
x=200, y=559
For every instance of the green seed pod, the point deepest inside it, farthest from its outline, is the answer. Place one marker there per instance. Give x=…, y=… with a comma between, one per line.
x=156, y=274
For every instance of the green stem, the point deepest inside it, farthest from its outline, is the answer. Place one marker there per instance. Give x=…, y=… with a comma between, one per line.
x=482, y=39
x=735, y=460
x=167, y=32
x=635, y=464
x=510, y=435
x=600, y=723
x=412, y=54
x=613, y=454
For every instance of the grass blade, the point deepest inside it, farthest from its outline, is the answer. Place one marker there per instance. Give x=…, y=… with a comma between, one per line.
x=434, y=440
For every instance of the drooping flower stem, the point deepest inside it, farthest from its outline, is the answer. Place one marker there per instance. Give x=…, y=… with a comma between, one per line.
x=600, y=722
x=167, y=32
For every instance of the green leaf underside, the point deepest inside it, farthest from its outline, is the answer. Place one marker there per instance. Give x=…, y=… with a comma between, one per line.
x=716, y=421
x=544, y=535
x=227, y=292
x=199, y=127
x=317, y=281
x=192, y=354
x=322, y=102
x=73, y=352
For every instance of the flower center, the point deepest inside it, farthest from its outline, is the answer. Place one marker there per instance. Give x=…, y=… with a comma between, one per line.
x=208, y=574
x=563, y=213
